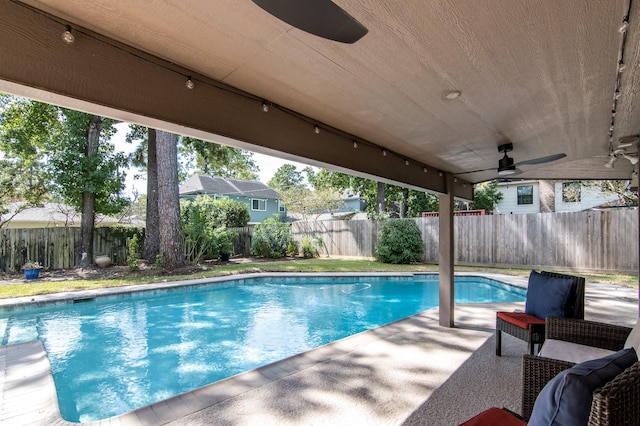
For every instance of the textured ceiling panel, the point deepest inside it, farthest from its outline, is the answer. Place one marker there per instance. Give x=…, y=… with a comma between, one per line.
x=541, y=75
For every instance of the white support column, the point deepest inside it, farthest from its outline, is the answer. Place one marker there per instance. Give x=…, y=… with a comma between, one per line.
x=445, y=255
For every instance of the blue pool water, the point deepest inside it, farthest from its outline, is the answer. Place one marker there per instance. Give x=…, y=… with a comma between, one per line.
x=115, y=354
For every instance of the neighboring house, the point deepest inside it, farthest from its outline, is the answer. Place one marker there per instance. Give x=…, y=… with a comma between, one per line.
x=541, y=196
x=52, y=215
x=351, y=203
x=263, y=201
x=353, y=207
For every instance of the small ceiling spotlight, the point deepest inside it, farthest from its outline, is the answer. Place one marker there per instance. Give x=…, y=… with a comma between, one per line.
x=384, y=152
x=425, y=170
x=454, y=94
x=265, y=107
x=440, y=174
x=67, y=36
x=624, y=27
x=316, y=129
x=190, y=85
x=455, y=180
x=406, y=162
x=355, y=144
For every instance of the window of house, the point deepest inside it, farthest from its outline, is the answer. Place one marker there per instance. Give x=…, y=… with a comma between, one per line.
x=525, y=194
x=571, y=192
x=258, y=204
x=281, y=207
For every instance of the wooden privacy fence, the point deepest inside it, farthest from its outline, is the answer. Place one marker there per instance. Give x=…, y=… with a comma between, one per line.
x=55, y=248
x=598, y=240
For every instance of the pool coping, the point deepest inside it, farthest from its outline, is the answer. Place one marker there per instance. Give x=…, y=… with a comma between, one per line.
x=30, y=391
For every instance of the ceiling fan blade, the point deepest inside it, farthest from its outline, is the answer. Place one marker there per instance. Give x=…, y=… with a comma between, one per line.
x=319, y=17
x=542, y=160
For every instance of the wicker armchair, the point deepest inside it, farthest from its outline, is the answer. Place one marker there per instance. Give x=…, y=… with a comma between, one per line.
x=532, y=329
x=616, y=403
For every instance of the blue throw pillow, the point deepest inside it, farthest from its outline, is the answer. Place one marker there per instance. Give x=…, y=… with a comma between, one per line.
x=566, y=399
x=546, y=296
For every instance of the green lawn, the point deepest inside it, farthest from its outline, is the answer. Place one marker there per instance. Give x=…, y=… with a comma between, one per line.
x=307, y=265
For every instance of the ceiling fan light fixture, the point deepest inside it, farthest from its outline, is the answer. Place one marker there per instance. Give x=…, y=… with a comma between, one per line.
x=506, y=166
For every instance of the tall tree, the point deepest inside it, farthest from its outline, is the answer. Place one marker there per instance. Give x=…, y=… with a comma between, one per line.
x=217, y=160
x=486, y=196
x=152, y=228
x=621, y=188
x=25, y=128
x=171, y=236
x=68, y=155
x=87, y=174
x=88, y=203
x=286, y=177
x=145, y=158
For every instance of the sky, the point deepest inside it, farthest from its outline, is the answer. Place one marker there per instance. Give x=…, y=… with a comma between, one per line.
x=268, y=164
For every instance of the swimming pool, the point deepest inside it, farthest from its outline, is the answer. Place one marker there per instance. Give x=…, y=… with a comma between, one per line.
x=110, y=355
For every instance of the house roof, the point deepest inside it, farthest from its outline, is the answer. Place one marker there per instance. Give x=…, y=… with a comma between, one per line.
x=58, y=214
x=205, y=184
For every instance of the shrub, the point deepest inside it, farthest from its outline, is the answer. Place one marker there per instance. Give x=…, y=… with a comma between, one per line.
x=231, y=213
x=309, y=248
x=201, y=228
x=135, y=252
x=271, y=239
x=293, y=249
x=400, y=241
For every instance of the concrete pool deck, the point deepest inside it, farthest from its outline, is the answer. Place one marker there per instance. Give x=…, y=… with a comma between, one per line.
x=409, y=372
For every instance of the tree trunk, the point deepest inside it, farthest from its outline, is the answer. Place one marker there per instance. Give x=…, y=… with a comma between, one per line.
x=152, y=227
x=405, y=202
x=171, y=237
x=84, y=258
x=380, y=197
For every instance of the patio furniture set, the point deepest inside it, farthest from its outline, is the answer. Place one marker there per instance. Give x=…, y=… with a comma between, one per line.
x=584, y=372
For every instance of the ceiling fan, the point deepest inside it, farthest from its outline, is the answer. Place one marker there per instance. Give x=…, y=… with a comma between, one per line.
x=319, y=17
x=506, y=165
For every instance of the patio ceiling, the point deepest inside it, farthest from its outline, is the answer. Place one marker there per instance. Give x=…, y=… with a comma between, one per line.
x=540, y=75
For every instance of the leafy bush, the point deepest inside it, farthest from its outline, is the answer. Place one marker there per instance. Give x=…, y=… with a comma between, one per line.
x=400, y=241
x=293, y=248
x=310, y=246
x=231, y=213
x=135, y=252
x=271, y=239
x=205, y=234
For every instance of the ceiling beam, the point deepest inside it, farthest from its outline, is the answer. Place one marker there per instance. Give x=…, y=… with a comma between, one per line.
x=101, y=76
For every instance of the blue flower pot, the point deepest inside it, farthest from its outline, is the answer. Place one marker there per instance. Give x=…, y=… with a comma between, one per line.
x=32, y=274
